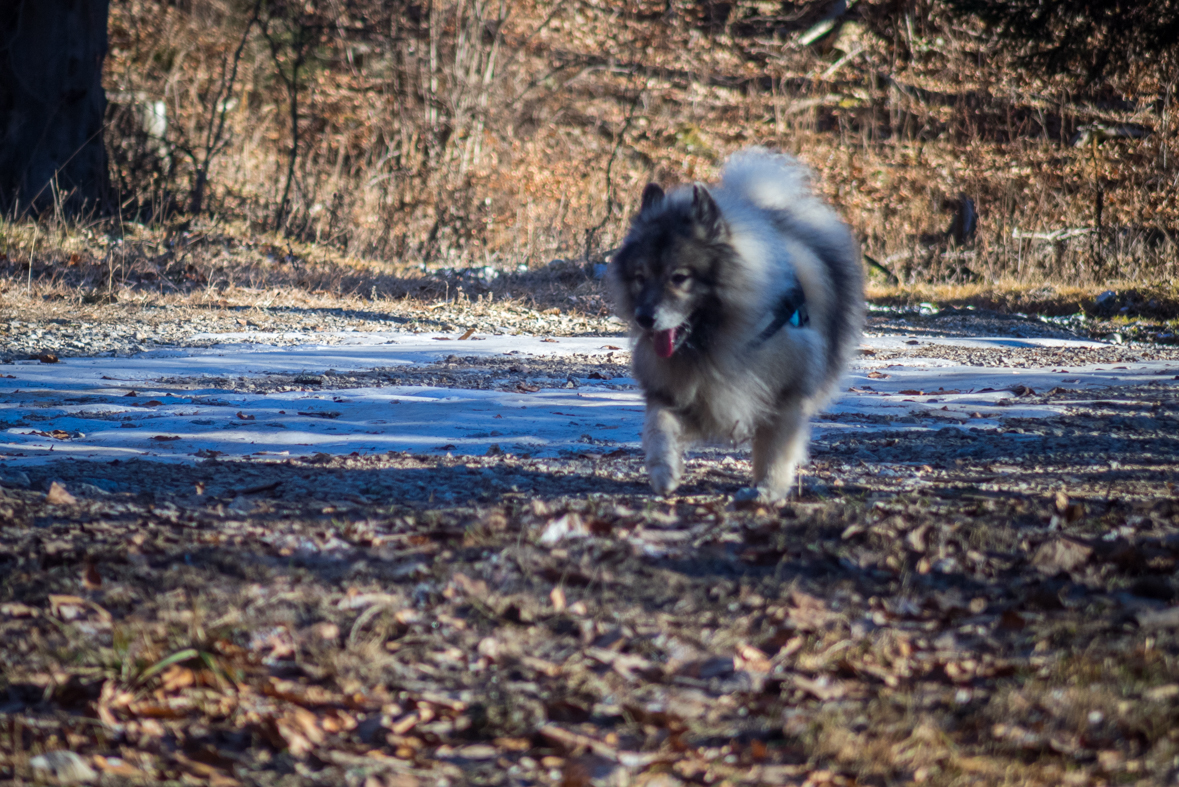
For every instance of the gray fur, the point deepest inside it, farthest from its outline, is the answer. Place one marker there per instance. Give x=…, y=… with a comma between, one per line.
x=699, y=276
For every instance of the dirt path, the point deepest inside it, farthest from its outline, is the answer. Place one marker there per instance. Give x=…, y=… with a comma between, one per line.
x=971, y=600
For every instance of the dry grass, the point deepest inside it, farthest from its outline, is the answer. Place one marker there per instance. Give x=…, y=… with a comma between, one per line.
x=1160, y=301
x=59, y=265
x=107, y=271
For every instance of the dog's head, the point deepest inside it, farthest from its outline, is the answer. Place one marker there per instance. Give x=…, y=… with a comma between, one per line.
x=664, y=278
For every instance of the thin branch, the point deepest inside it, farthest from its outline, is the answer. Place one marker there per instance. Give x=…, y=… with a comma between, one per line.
x=592, y=232
x=220, y=106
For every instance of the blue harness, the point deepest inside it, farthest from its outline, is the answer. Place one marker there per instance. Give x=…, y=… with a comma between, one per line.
x=791, y=310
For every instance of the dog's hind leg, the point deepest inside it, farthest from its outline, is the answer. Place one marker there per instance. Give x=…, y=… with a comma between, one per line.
x=662, y=434
x=779, y=447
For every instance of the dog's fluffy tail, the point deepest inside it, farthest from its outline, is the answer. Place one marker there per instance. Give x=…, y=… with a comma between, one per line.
x=767, y=179
x=776, y=183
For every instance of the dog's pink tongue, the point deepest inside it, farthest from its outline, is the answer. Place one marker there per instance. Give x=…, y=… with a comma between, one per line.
x=665, y=343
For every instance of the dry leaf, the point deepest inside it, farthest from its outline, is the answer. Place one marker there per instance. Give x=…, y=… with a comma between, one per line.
x=1061, y=502
x=405, y=723
x=809, y=613
x=752, y=659
x=625, y=664
x=116, y=766
x=1061, y=554
x=177, y=677
x=916, y=540
x=564, y=527
x=156, y=710
x=474, y=588
x=91, y=579
x=58, y=496
x=1012, y=620
x=308, y=722
x=64, y=767
x=211, y=774
x=299, y=731
x=792, y=646
x=336, y=720
x=557, y=597
x=328, y=632
x=67, y=607
x=392, y=780
x=822, y=688
x=573, y=741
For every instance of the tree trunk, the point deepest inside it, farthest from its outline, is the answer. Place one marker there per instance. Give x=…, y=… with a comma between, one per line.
x=52, y=105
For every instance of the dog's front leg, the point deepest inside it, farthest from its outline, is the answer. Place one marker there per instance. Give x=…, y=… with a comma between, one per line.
x=779, y=447
x=662, y=433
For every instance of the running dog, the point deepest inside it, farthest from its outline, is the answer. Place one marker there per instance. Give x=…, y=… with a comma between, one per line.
x=745, y=302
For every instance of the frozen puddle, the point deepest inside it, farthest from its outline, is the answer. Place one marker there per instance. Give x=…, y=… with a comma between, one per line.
x=118, y=408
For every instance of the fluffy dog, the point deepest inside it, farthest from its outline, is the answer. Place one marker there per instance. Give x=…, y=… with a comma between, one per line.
x=745, y=301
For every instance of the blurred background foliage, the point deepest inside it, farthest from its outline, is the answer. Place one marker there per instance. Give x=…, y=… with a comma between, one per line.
x=964, y=139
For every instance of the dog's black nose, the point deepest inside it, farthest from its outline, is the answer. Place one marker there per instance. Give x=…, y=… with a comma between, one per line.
x=645, y=320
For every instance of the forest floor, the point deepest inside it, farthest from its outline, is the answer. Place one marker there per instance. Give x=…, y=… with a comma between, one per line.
x=978, y=594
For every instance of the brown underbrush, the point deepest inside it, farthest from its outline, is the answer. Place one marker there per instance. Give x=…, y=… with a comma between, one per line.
x=475, y=133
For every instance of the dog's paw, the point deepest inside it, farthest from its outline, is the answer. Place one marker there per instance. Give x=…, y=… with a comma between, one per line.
x=755, y=496
x=664, y=479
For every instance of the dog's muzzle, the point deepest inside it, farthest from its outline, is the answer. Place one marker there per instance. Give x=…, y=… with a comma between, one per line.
x=668, y=341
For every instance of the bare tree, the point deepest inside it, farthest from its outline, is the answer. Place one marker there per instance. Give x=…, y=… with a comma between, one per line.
x=52, y=104
x=293, y=31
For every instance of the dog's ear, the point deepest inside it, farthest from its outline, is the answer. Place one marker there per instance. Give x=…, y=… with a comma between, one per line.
x=705, y=213
x=651, y=195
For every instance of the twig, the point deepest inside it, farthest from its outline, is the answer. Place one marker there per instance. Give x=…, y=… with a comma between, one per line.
x=841, y=62
x=1055, y=236
x=220, y=106
x=876, y=265
x=33, y=251
x=573, y=741
x=591, y=233
x=301, y=43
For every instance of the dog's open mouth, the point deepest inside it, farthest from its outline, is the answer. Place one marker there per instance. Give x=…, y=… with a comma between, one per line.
x=667, y=342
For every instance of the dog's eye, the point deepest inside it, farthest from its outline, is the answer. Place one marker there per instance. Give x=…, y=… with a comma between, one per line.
x=638, y=279
x=680, y=278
